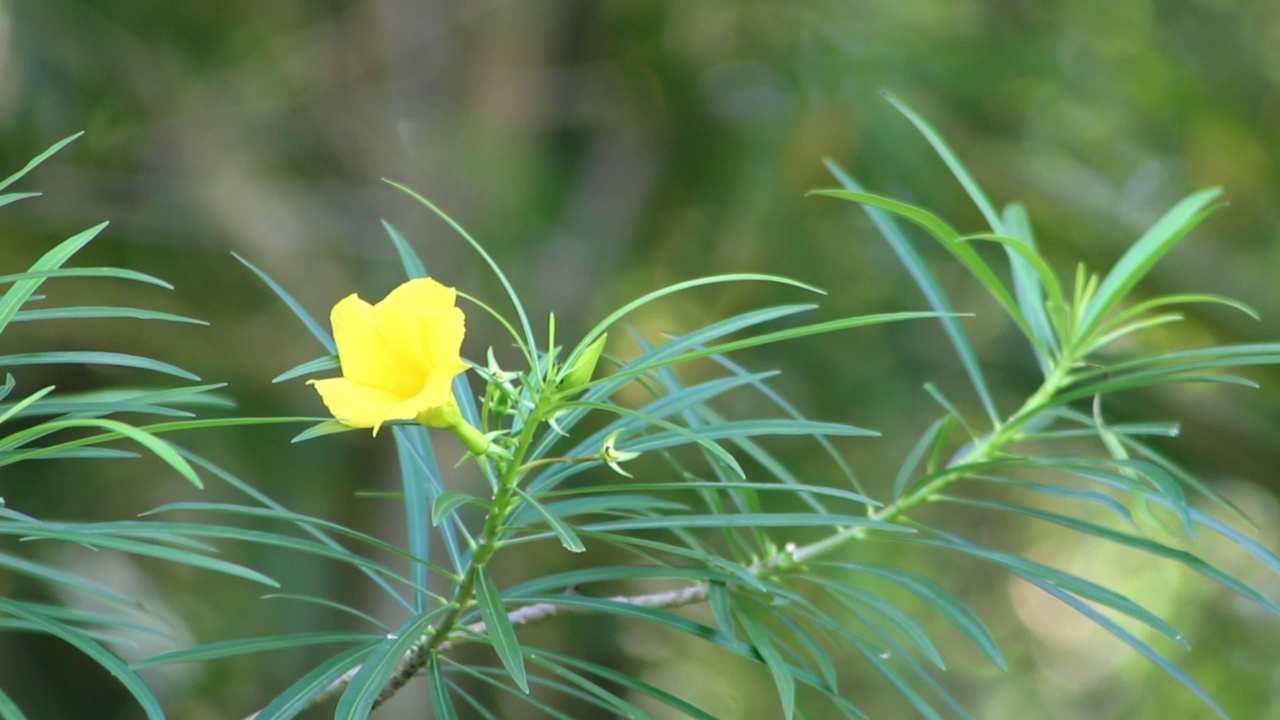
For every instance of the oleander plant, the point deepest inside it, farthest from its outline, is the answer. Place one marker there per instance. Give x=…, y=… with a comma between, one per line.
x=622, y=454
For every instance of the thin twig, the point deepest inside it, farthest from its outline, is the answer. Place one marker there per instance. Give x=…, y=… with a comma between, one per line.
x=414, y=660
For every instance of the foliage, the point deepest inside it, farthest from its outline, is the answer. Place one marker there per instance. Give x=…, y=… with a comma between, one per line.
x=708, y=512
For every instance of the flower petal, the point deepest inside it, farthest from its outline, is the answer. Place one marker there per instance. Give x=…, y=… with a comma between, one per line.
x=442, y=334
x=361, y=406
x=364, y=355
x=401, y=317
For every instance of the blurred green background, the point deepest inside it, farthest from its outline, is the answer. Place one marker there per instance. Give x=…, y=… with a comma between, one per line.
x=599, y=151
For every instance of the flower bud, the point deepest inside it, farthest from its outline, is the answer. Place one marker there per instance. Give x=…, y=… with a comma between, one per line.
x=584, y=366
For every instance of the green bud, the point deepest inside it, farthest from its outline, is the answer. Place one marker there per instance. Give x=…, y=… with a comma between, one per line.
x=584, y=366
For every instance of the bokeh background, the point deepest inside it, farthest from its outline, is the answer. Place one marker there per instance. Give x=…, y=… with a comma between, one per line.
x=600, y=150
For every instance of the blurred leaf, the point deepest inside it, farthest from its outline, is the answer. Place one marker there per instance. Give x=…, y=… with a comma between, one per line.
x=109, y=662
x=762, y=641
x=232, y=648
x=317, y=331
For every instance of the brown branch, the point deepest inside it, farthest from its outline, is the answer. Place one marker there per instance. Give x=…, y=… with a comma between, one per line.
x=414, y=659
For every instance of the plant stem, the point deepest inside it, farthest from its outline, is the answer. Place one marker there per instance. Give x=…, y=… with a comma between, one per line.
x=989, y=447
x=439, y=635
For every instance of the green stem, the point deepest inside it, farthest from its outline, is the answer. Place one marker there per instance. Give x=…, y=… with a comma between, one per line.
x=987, y=448
x=487, y=544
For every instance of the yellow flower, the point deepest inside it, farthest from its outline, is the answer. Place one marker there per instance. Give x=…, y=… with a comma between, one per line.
x=399, y=357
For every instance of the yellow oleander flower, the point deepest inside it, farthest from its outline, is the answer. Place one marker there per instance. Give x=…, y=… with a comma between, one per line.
x=399, y=357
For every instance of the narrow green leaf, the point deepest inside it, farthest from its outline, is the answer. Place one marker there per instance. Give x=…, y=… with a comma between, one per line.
x=301, y=695
x=55, y=576
x=1128, y=638
x=317, y=331
x=746, y=520
x=89, y=357
x=609, y=504
x=1089, y=496
x=322, y=429
x=330, y=604
x=952, y=160
x=1141, y=308
x=912, y=461
x=21, y=291
x=952, y=411
x=712, y=485
x=936, y=597
x=320, y=536
x=1034, y=261
x=35, y=162
x=751, y=428
x=613, y=702
x=335, y=552
x=1134, y=541
x=99, y=272
x=568, y=538
x=573, y=579
x=1144, y=254
x=632, y=683
x=848, y=595
x=413, y=267
x=99, y=654
x=422, y=485
x=762, y=641
x=369, y=682
x=233, y=648
x=879, y=659
x=932, y=290
x=501, y=633
x=949, y=239
x=160, y=448
x=721, y=602
x=310, y=367
x=25, y=403
x=1071, y=583
x=441, y=702
x=639, y=302
x=97, y=312
x=451, y=500
x=9, y=198
x=1050, y=320
x=108, y=542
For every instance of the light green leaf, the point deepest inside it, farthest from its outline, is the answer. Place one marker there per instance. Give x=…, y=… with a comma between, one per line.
x=35, y=162
x=21, y=291
x=1144, y=254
